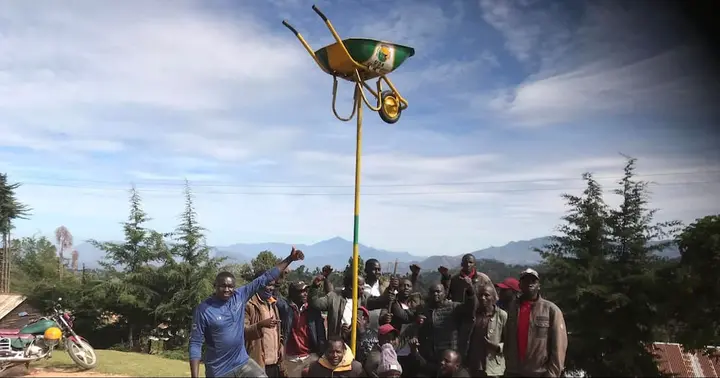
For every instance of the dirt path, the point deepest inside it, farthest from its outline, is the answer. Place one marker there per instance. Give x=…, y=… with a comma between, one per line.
x=41, y=372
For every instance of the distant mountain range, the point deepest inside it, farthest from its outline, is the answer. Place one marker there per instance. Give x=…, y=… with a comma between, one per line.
x=337, y=251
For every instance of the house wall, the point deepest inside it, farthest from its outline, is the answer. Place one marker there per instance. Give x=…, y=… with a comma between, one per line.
x=13, y=321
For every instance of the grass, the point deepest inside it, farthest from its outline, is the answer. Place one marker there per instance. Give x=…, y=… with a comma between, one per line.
x=123, y=363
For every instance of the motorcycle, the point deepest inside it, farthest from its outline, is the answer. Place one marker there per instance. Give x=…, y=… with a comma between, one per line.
x=39, y=338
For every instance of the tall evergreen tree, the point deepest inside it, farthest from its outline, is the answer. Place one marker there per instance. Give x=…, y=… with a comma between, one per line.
x=188, y=272
x=10, y=210
x=599, y=271
x=131, y=273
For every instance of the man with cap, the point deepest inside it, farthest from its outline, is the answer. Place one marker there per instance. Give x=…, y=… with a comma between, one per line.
x=508, y=291
x=304, y=328
x=387, y=335
x=536, y=338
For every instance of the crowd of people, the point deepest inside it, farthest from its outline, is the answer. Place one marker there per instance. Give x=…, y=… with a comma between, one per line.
x=463, y=326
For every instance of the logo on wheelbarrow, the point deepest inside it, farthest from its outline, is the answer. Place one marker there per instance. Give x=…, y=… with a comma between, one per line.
x=382, y=60
x=383, y=54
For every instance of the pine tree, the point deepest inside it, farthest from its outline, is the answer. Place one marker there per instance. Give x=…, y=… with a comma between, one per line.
x=600, y=272
x=132, y=277
x=10, y=210
x=188, y=271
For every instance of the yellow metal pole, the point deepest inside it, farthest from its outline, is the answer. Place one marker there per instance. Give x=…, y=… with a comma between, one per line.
x=356, y=219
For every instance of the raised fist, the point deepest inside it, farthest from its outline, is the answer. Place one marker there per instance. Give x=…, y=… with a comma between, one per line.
x=415, y=269
x=296, y=254
x=326, y=270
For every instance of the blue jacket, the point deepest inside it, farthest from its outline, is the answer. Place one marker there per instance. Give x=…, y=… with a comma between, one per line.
x=316, y=325
x=220, y=326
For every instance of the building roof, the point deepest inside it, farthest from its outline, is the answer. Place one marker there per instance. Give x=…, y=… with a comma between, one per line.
x=673, y=359
x=9, y=302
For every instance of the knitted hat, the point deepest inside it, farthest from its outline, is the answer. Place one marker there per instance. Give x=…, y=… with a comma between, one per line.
x=388, y=360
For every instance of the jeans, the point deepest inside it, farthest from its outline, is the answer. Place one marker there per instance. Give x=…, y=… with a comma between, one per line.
x=249, y=370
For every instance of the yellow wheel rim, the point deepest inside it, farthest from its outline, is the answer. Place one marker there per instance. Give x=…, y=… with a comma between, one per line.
x=391, y=106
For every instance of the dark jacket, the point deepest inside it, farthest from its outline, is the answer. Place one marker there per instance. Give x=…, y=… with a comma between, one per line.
x=440, y=329
x=334, y=304
x=456, y=288
x=316, y=325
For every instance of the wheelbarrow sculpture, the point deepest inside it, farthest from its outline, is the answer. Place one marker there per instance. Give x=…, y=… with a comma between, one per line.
x=358, y=60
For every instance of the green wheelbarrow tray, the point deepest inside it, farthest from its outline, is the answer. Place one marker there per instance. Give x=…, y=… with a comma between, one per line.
x=377, y=57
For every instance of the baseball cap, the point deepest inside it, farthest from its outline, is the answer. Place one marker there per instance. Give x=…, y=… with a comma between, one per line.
x=509, y=283
x=529, y=271
x=298, y=286
x=385, y=329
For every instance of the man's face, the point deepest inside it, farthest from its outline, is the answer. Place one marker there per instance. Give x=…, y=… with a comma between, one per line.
x=224, y=288
x=468, y=262
x=529, y=286
x=405, y=288
x=436, y=294
x=335, y=352
x=361, y=287
x=448, y=363
x=486, y=297
x=372, y=270
x=270, y=288
x=299, y=297
x=389, y=338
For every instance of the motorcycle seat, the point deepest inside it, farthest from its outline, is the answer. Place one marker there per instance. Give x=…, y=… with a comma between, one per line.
x=10, y=332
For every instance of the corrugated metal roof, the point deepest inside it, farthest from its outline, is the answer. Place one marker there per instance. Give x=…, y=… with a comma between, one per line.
x=672, y=359
x=9, y=302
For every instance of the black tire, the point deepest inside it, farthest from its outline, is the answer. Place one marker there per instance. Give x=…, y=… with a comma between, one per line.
x=71, y=347
x=384, y=116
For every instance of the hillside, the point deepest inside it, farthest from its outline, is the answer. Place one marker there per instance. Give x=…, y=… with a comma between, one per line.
x=336, y=252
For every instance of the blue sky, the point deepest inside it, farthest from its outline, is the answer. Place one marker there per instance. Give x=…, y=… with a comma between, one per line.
x=510, y=101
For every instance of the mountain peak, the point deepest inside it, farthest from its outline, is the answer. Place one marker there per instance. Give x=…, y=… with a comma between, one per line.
x=334, y=240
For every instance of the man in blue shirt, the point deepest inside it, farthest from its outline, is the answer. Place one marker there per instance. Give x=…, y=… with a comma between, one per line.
x=219, y=322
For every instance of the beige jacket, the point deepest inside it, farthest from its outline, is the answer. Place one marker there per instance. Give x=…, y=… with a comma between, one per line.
x=547, y=341
x=254, y=335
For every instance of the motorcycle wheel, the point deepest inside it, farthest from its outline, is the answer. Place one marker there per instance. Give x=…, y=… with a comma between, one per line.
x=81, y=353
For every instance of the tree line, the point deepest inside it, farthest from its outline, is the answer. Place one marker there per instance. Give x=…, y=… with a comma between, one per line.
x=602, y=270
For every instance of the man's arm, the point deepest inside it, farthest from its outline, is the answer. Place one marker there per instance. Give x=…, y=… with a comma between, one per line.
x=247, y=291
x=197, y=337
x=316, y=301
x=468, y=307
x=557, y=343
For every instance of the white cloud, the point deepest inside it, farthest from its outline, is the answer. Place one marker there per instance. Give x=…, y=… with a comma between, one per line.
x=617, y=61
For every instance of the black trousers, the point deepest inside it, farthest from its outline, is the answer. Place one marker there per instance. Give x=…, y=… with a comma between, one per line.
x=272, y=371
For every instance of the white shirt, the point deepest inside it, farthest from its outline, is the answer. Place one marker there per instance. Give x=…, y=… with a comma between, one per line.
x=373, y=290
x=347, y=312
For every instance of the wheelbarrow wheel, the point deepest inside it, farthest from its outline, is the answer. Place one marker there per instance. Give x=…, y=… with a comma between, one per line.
x=389, y=107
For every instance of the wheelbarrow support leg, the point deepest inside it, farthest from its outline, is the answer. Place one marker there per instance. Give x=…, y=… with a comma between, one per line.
x=305, y=45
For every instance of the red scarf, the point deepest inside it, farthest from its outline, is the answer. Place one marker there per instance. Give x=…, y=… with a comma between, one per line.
x=472, y=274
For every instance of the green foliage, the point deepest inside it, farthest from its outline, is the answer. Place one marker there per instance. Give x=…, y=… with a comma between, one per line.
x=361, y=267
x=187, y=274
x=693, y=287
x=10, y=208
x=263, y=262
x=601, y=272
